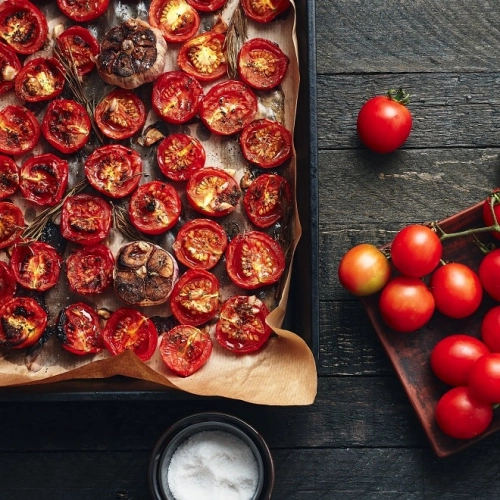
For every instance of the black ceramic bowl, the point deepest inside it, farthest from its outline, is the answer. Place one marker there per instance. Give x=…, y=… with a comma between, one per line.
x=182, y=430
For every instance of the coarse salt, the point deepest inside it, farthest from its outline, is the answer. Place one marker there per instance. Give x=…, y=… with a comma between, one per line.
x=212, y=465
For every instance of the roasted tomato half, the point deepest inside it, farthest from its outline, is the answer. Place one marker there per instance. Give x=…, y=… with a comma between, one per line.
x=79, y=330
x=120, y=114
x=9, y=68
x=22, y=322
x=179, y=156
x=207, y=5
x=129, y=329
x=9, y=176
x=242, y=326
x=22, y=26
x=7, y=282
x=90, y=269
x=266, y=143
x=36, y=265
x=195, y=297
x=264, y=11
x=213, y=192
x=79, y=45
x=262, y=64
x=185, y=349
x=267, y=199
x=114, y=170
x=66, y=125
x=40, y=79
x=254, y=259
x=11, y=224
x=228, y=107
x=19, y=130
x=200, y=244
x=85, y=219
x=176, y=97
x=43, y=179
x=176, y=19
x=83, y=10
x=155, y=207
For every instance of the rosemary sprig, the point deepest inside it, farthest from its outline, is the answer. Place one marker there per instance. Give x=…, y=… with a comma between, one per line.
x=121, y=223
x=235, y=38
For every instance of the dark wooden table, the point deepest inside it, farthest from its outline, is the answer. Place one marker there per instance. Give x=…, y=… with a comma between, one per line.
x=361, y=439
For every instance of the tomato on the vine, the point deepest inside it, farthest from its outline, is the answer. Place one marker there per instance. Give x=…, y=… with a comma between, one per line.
x=7, y=282
x=82, y=11
x=264, y=11
x=9, y=176
x=9, y=68
x=11, y=224
x=19, y=130
x=489, y=273
x=490, y=329
x=491, y=205
x=484, y=378
x=40, y=79
x=176, y=19
x=78, y=44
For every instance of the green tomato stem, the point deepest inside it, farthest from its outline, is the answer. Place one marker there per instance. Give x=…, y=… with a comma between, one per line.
x=399, y=95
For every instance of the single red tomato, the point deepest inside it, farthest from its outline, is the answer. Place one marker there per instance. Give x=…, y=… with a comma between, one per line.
x=11, y=224
x=242, y=326
x=82, y=11
x=179, y=156
x=254, y=259
x=416, y=250
x=228, y=107
x=23, y=322
x=490, y=329
x=176, y=19
x=462, y=416
x=491, y=211
x=266, y=143
x=9, y=68
x=22, y=26
x=489, y=273
x=484, y=378
x=129, y=329
x=200, y=243
x=36, y=266
x=9, y=176
x=406, y=304
x=40, y=79
x=457, y=290
x=384, y=122
x=66, y=125
x=78, y=329
x=19, y=130
x=453, y=356
x=90, y=269
x=264, y=11
x=207, y=5
x=77, y=44
x=155, y=207
x=364, y=270
x=43, y=179
x=114, y=170
x=7, y=282
x=262, y=64
x=185, y=349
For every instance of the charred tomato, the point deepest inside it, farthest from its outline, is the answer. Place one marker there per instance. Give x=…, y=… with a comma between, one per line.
x=176, y=19
x=19, y=130
x=83, y=10
x=79, y=45
x=40, y=79
x=11, y=224
x=9, y=176
x=9, y=67
x=264, y=11
x=7, y=282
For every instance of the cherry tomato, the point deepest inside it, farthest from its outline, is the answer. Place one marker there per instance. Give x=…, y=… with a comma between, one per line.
x=484, y=378
x=213, y=192
x=416, y=250
x=23, y=322
x=228, y=107
x=406, y=304
x=489, y=273
x=453, y=356
x=9, y=176
x=462, y=416
x=22, y=26
x=19, y=130
x=7, y=282
x=264, y=11
x=36, y=266
x=79, y=330
x=114, y=170
x=155, y=207
x=9, y=68
x=207, y=5
x=78, y=44
x=129, y=329
x=40, y=79
x=90, y=269
x=384, y=122
x=457, y=290
x=242, y=326
x=11, y=224
x=185, y=349
x=490, y=329
x=176, y=97
x=176, y=19
x=120, y=114
x=179, y=156
x=85, y=219
x=83, y=10
x=364, y=270
x=200, y=244
x=267, y=200
x=254, y=259
x=262, y=64
x=66, y=125
x=43, y=179
x=492, y=205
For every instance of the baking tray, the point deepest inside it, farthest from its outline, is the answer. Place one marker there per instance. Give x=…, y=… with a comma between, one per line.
x=303, y=305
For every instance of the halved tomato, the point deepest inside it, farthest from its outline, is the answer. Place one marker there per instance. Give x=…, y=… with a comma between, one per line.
x=129, y=329
x=43, y=179
x=264, y=11
x=9, y=176
x=254, y=259
x=207, y=5
x=11, y=224
x=242, y=326
x=7, y=282
x=19, y=130
x=40, y=79
x=9, y=68
x=155, y=207
x=176, y=19
x=83, y=10
x=179, y=156
x=213, y=192
x=79, y=45
x=36, y=265
x=185, y=349
x=79, y=330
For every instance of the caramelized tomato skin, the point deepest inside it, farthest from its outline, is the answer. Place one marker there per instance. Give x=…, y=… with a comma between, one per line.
x=19, y=130
x=176, y=19
x=78, y=43
x=11, y=224
x=40, y=79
